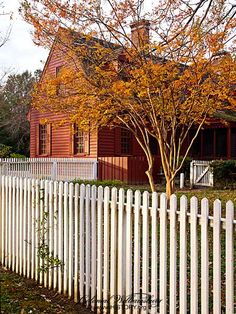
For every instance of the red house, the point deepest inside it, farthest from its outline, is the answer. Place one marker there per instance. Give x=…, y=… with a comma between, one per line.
x=120, y=156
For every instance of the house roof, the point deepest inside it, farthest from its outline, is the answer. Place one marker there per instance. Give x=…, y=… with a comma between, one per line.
x=227, y=115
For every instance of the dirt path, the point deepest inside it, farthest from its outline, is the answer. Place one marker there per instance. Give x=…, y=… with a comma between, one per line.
x=21, y=295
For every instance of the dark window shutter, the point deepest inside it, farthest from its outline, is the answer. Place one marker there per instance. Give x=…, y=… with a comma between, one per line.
x=72, y=143
x=37, y=139
x=49, y=139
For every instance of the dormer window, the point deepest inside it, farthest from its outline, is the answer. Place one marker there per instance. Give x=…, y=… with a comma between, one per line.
x=58, y=70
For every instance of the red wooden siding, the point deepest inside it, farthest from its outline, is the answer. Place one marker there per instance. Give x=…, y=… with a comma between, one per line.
x=113, y=168
x=109, y=143
x=106, y=142
x=60, y=137
x=129, y=169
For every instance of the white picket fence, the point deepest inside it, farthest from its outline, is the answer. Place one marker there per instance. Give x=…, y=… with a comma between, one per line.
x=122, y=251
x=50, y=168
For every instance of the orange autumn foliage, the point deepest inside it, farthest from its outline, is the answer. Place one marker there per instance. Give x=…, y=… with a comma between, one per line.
x=161, y=87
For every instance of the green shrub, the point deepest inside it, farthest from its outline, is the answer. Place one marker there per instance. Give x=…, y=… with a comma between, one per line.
x=5, y=151
x=16, y=155
x=224, y=173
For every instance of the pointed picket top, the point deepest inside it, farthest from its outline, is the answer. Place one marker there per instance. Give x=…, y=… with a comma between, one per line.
x=173, y=201
x=163, y=200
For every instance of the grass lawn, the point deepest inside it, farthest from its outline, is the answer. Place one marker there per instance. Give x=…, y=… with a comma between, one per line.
x=20, y=295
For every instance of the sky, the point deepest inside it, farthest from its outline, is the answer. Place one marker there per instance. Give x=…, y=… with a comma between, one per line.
x=19, y=53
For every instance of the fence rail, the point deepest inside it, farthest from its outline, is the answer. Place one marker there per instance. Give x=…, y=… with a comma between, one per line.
x=50, y=168
x=121, y=251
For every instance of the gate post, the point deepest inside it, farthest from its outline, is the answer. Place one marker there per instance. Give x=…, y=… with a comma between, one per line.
x=95, y=170
x=181, y=184
x=211, y=177
x=191, y=173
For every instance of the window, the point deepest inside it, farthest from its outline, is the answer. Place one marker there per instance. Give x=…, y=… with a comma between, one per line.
x=42, y=139
x=58, y=70
x=125, y=142
x=79, y=141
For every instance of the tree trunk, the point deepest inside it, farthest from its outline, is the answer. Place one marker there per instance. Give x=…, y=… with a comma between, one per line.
x=149, y=173
x=169, y=187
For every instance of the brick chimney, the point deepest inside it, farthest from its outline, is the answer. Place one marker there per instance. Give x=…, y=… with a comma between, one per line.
x=140, y=32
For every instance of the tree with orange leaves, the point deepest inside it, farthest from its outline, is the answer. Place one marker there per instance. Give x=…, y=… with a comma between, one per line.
x=160, y=87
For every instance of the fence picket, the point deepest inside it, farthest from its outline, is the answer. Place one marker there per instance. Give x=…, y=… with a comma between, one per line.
x=145, y=251
x=70, y=242
x=33, y=230
x=154, y=252
x=17, y=223
x=21, y=228
x=3, y=214
x=24, y=227
x=99, y=248
x=163, y=255
x=10, y=223
x=51, y=243
x=137, y=244
x=29, y=230
x=65, y=240
x=60, y=234
x=37, y=227
x=76, y=245
x=216, y=258
x=7, y=221
x=194, y=255
x=204, y=257
x=229, y=258
x=93, y=246
x=45, y=227
x=173, y=248
x=129, y=261
x=87, y=245
x=41, y=229
x=81, y=243
x=55, y=232
x=113, y=248
x=13, y=222
x=121, y=250
x=183, y=255
x=106, y=249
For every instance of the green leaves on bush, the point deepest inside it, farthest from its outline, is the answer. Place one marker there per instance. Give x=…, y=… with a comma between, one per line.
x=16, y=155
x=5, y=151
x=224, y=173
